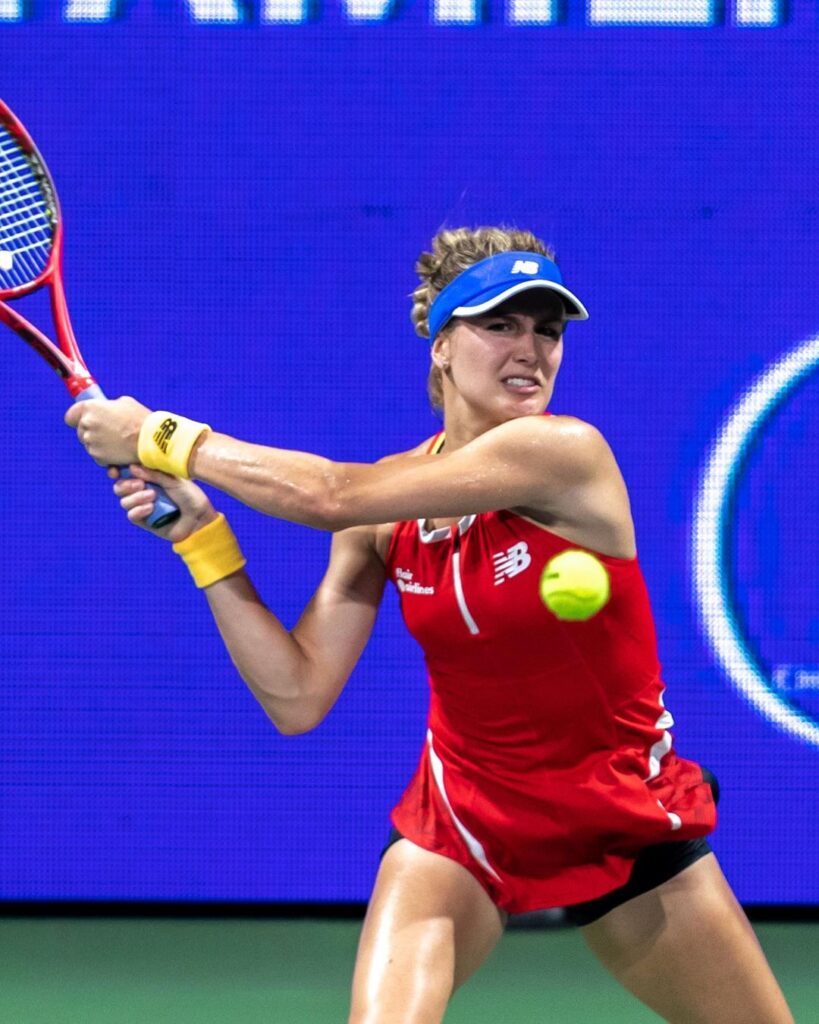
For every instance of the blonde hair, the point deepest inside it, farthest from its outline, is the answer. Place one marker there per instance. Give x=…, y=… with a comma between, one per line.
x=453, y=251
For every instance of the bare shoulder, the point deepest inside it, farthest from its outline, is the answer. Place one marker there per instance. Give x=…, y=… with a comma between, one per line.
x=591, y=505
x=573, y=448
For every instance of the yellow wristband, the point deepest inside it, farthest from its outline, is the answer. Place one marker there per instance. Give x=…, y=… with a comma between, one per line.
x=211, y=553
x=166, y=442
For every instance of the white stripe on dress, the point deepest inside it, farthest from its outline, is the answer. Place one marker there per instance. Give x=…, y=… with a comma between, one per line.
x=473, y=845
x=658, y=752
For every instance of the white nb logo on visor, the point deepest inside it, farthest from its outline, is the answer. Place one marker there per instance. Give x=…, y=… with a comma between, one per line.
x=524, y=267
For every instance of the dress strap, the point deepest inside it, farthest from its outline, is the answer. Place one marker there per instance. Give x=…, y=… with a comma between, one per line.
x=437, y=443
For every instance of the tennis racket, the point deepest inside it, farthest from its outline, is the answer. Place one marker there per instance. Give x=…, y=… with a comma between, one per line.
x=31, y=242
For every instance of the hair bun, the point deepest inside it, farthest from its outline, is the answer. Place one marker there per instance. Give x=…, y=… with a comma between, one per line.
x=421, y=301
x=429, y=265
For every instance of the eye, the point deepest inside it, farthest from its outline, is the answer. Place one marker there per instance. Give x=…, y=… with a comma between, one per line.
x=547, y=331
x=498, y=325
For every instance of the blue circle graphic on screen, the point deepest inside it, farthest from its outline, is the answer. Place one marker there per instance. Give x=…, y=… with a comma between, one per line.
x=756, y=588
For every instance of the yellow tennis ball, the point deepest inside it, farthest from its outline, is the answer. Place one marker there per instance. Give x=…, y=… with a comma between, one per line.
x=574, y=586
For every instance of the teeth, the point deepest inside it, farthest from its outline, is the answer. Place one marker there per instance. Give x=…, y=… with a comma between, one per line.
x=519, y=381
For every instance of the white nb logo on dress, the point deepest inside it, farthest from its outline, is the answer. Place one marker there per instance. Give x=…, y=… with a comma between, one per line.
x=509, y=563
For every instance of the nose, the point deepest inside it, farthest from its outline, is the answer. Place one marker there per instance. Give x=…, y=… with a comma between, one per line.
x=527, y=348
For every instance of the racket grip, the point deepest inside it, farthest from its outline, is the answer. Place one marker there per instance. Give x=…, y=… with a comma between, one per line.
x=165, y=511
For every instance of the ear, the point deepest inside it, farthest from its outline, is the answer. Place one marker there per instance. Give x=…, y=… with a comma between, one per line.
x=440, y=351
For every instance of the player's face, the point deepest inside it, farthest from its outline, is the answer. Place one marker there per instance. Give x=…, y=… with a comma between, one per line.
x=503, y=364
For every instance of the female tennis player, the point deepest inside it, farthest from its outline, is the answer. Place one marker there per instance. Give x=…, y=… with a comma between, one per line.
x=548, y=777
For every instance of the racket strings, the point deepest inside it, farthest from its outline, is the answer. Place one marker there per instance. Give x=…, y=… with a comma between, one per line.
x=27, y=215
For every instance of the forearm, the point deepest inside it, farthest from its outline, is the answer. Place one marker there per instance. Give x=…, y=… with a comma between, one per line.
x=265, y=654
x=296, y=486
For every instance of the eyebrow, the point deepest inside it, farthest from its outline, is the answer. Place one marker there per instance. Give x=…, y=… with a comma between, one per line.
x=547, y=318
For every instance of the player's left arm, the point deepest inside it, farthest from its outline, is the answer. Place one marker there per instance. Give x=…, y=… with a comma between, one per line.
x=547, y=463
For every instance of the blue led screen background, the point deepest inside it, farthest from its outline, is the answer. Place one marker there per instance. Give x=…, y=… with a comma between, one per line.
x=244, y=204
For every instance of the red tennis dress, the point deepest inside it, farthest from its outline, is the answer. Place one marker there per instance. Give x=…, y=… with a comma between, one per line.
x=548, y=763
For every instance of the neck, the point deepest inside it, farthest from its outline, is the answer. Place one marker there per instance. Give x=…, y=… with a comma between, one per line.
x=457, y=437
x=462, y=422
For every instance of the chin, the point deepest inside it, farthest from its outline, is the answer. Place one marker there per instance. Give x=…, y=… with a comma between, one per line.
x=518, y=412
x=534, y=406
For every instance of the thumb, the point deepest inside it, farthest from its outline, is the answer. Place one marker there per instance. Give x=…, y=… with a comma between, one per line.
x=153, y=476
x=72, y=416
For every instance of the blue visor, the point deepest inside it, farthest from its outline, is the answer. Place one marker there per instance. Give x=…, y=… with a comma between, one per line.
x=490, y=282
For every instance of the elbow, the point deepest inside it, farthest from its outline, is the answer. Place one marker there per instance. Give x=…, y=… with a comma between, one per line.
x=336, y=520
x=292, y=711
x=319, y=508
x=333, y=501
x=293, y=717
x=294, y=726
x=328, y=513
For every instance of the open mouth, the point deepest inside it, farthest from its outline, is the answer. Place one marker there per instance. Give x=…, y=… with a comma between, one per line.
x=524, y=385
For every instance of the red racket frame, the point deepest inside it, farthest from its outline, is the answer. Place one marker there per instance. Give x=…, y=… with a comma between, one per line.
x=65, y=358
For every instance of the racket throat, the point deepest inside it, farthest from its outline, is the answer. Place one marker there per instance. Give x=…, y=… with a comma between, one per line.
x=74, y=371
x=71, y=369
x=80, y=381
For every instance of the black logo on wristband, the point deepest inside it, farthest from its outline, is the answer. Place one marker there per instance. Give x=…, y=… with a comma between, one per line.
x=163, y=436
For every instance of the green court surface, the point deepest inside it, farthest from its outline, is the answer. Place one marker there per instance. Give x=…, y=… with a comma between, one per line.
x=297, y=971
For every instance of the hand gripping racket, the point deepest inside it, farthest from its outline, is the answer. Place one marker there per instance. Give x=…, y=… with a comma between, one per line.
x=31, y=242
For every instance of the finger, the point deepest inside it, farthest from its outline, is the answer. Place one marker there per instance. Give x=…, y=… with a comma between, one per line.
x=136, y=515
x=128, y=486
x=72, y=416
x=154, y=476
x=141, y=498
x=81, y=409
x=113, y=472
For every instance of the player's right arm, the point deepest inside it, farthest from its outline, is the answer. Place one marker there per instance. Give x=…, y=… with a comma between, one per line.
x=296, y=675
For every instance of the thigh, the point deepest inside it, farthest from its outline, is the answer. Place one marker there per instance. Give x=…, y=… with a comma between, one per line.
x=687, y=950
x=428, y=927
